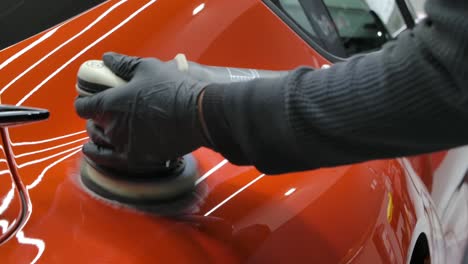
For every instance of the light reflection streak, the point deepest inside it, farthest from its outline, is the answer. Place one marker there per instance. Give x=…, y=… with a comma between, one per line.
x=11, y=193
x=4, y=226
x=30, y=46
x=7, y=200
x=51, y=148
x=234, y=194
x=46, y=140
x=41, y=176
x=291, y=191
x=355, y=255
x=62, y=45
x=9, y=197
x=211, y=171
x=47, y=158
x=198, y=9
x=35, y=89
x=39, y=243
x=4, y=172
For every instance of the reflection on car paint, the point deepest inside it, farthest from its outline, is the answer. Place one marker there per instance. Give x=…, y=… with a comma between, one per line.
x=47, y=157
x=7, y=199
x=38, y=243
x=234, y=194
x=363, y=213
x=10, y=204
x=46, y=140
x=20, y=236
x=211, y=171
x=50, y=148
x=198, y=9
x=21, y=52
x=47, y=35
x=41, y=176
x=35, y=89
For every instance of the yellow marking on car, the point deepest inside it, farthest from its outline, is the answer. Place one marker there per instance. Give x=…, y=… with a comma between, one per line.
x=390, y=207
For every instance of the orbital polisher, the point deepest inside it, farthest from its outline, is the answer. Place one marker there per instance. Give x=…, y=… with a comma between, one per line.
x=174, y=178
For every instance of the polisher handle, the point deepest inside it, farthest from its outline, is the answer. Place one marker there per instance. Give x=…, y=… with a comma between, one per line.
x=94, y=76
x=215, y=74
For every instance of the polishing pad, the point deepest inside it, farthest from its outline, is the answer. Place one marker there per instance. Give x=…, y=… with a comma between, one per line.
x=137, y=188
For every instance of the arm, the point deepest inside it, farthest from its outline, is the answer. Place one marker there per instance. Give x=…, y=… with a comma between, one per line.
x=409, y=98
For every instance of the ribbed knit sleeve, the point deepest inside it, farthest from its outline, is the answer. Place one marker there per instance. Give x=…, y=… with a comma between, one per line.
x=409, y=98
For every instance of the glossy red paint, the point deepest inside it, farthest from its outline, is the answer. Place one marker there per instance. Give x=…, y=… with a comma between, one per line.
x=11, y=208
x=426, y=165
x=363, y=213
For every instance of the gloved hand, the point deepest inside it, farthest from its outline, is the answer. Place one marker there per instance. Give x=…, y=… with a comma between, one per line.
x=152, y=119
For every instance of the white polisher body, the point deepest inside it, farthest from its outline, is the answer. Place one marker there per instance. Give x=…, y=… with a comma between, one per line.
x=95, y=72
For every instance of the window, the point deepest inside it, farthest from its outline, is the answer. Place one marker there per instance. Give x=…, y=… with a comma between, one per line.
x=365, y=25
x=346, y=27
x=417, y=7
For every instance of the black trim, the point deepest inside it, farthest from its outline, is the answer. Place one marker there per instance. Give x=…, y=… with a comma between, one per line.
x=91, y=87
x=304, y=35
x=406, y=13
x=17, y=115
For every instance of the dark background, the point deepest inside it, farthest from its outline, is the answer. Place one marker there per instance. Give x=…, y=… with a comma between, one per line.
x=20, y=19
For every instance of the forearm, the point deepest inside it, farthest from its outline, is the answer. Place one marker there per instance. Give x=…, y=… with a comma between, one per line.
x=404, y=100
x=246, y=122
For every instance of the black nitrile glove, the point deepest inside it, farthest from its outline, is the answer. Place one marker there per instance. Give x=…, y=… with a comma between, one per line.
x=152, y=119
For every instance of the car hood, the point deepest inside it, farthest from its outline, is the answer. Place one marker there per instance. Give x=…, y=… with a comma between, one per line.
x=328, y=215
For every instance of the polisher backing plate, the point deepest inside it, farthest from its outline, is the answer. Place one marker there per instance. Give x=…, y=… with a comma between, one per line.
x=138, y=189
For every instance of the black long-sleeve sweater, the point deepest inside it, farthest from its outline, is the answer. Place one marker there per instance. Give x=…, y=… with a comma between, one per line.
x=409, y=98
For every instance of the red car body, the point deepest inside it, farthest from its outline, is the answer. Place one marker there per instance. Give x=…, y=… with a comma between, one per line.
x=385, y=211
